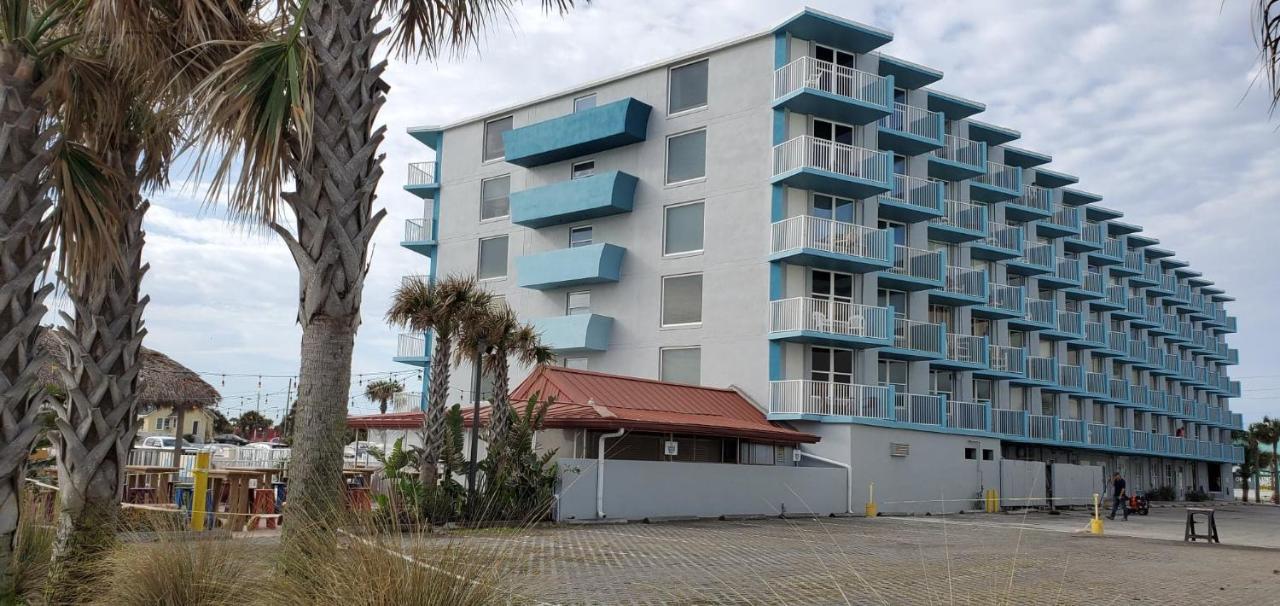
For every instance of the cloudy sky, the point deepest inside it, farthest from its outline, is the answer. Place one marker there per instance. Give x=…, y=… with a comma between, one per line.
x=1152, y=103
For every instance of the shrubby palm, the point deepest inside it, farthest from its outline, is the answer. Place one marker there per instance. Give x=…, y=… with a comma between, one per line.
x=1267, y=431
x=503, y=337
x=383, y=391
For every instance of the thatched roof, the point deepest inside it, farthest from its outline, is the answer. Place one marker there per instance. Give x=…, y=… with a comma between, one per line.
x=161, y=382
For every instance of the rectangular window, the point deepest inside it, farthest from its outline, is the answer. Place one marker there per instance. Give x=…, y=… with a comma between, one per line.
x=680, y=365
x=578, y=303
x=582, y=170
x=683, y=227
x=576, y=363
x=688, y=87
x=893, y=372
x=983, y=390
x=580, y=236
x=493, y=258
x=687, y=156
x=493, y=129
x=831, y=365
x=584, y=103
x=495, y=197
x=682, y=300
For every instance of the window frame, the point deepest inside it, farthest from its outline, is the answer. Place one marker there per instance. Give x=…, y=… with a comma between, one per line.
x=594, y=102
x=665, y=223
x=588, y=228
x=662, y=300
x=688, y=110
x=586, y=362
x=484, y=219
x=666, y=160
x=480, y=258
x=663, y=350
x=484, y=137
x=573, y=169
x=568, y=302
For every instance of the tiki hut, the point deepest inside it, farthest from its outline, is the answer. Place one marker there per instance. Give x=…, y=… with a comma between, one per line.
x=162, y=382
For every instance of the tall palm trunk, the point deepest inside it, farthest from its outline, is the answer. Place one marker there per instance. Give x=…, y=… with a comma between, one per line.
x=336, y=179
x=97, y=421
x=500, y=414
x=24, y=157
x=433, y=418
x=1275, y=462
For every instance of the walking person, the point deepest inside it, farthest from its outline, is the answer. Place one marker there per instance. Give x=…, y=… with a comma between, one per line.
x=1118, y=491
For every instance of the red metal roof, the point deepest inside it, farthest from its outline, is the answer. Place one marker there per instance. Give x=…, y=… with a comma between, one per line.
x=596, y=400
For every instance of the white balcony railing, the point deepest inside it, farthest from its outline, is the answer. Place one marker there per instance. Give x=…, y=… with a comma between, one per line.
x=1070, y=322
x=830, y=317
x=1071, y=430
x=1068, y=269
x=915, y=120
x=1113, y=247
x=962, y=215
x=1041, y=311
x=1066, y=216
x=967, y=349
x=1036, y=198
x=918, y=263
x=831, y=236
x=422, y=173
x=1002, y=358
x=417, y=230
x=965, y=281
x=1007, y=237
x=1005, y=297
x=1093, y=282
x=1001, y=175
x=1038, y=254
x=809, y=72
x=1042, y=369
x=967, y=415
x=820, y=154
x=411, y=346
x=407, y=401
x=836, y=399
x=1009, y=422
x=918, y=408
x=1041, y=427
x=918, y=336
x=914, y=191
x=961, y=150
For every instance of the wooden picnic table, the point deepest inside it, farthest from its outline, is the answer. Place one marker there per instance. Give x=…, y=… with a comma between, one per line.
x=236, y=484
x=142, y=476
x=364, y=473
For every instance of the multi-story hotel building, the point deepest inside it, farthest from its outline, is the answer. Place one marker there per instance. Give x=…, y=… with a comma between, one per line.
x=822, y=226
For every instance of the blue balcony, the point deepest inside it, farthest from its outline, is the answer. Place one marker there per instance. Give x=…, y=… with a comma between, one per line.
x=1041, y=371
x=911, y=130
x=418, y=236
x=1041, y=314
x=828, y=322
x=1033, y=204
x=1069, y=325
x=1003, y=302
x=423, y=179
x=1064, y=222
x=1066, y=274
x=811, y=163
x=1002, y=242
x=586, y=132
x=1004, y=362
x=575, y=334
x=964, y=352
x=820, y=88
x=412, y=350
x=914, y=269
x=1036, y=259
x=593, y=264
x=963, y=286
x=916, y=340
x=1000, y=182
x=1070, y=380
x=911, y=199
x=960, y=222
x=574, y=200
x=958, y=159
x=828, y=244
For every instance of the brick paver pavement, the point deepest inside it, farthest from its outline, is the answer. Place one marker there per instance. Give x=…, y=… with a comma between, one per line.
x=863, y=561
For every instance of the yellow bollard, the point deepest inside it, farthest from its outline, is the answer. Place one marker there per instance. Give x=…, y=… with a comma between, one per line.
x=871, y=500
x=1095, y=525
x=199, y=490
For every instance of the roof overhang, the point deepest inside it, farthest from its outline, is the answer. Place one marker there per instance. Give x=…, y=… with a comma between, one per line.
x=953, y=107
x=992, y=134
x=838, y=32
x=907, y=74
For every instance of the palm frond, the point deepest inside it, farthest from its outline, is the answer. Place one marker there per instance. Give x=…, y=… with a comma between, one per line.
x=427, y=28
x=32, y=25
x=255, y=113
x=89, y=212
x=1267, y=18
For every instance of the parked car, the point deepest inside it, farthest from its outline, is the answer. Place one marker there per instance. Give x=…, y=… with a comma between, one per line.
x=165, y=443
x=230, y=438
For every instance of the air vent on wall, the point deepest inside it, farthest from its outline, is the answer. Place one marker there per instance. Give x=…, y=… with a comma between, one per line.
x=899, y=450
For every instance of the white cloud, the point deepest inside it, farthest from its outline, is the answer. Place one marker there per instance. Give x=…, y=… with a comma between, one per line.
x=1144, y=100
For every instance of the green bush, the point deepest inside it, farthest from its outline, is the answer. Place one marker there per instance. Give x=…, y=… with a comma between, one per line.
x=1197, y=495
x=1163, y=493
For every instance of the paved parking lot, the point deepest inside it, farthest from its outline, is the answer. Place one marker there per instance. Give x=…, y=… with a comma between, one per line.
x=964, y=559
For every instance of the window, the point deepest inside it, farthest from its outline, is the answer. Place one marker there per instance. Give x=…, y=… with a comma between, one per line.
x=983, y=390
x=896, y=299
x=893, y=372
x=578, y=303
x=970, y=453
x=495, y=197
x=493, y=258
x=576, y=363
x=682, y=300
x=898, y=230
x=680, y=365
x=838, y=209
x=942, y=382
x=582, y=170
x=584, y=103
x=493, y=129
x=988, y=454
x=683, y=229
x=687, y=156
x=833, y=132
x=580, y=236
x=831, y=365
x=688, y=87
x=166, y=423
x=830, y=285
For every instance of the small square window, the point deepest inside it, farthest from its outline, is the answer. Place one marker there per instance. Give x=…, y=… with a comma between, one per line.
x=495, y=197
x=584, y=103
x=683, y=229
x=580, y=236
x=582, y=170
x=680, y=365
x=682, y=300
x=576, y=363
x=971, y=454
x=687, y=156
x=988, y=454
x=578, y=303
x=493, y=129
x=688, y=87
x=493, y=258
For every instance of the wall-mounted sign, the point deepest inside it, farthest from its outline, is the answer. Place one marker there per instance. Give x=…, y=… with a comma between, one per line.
x=671, y=448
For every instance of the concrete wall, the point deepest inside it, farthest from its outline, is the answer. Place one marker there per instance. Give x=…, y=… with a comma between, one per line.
x=643, y=489
x=1023, y=483
x=1074, y=485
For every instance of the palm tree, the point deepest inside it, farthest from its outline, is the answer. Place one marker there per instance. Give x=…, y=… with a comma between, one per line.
x=383, y=391
x=503, y=336
x=1249, y=465
x=1267, y=431
x=302, y=103
x=442, y=308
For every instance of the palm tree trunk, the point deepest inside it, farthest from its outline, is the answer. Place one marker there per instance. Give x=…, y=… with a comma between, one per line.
x=433, y=418
x=24, y=156
x=500, y=416
x=332, y=207
x=1275, y=480
x=97, y=421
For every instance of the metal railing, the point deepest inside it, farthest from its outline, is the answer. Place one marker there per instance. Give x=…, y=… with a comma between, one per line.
x=962, y=215
x=918, y=336
x=1001, y=175
x=914, y=191
x=422, y=173
x=810, y=72
x=1094, y=233
x=1113, y=247
x=811, y=152
x=1070, y=322
x=966, y=281
x=411, y=346
x=1095, y=332
x=834, y=399
x=1066, y=216
x=1042, y=427
x=1070, y=376
x=1140, y=440
x=967, y=349
x=1096, y=382
x=1042, y=369
x=829, y=316
x=1007, y=237
x=918, y=263
x=1003, y=358
x=1071, y=430
x=1040, y=255
x=407, y=401
x=1067, y=269
x=968, y=415
x=1133, y=261
x=417, y=230
x=1118, y=389
x=1117, y=295
x=1117, y=340
x=1009, y=422
x=1098, y=434
x=963, y=151
x=1035, y=198
x=837, y=237
x=1119, y=437
x=915, y=120
x=919, y=408
x=1041, y=311
x=1003, y=296
x=1093, y=282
